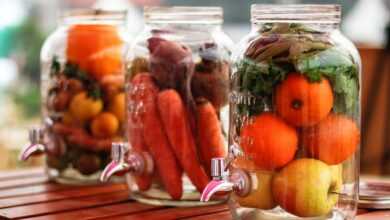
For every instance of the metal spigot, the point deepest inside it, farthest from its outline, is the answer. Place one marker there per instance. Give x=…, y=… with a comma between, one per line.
x=124, y=160
x=218, y=169
x=36, y=145
x=237, y=180
x=118, y=151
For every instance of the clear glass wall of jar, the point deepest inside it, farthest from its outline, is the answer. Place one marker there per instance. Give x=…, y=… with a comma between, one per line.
x=294, y=130
x=177, y=94
x=82, y=92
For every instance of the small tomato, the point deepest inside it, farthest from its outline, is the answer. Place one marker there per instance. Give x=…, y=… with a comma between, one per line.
x=84, y=107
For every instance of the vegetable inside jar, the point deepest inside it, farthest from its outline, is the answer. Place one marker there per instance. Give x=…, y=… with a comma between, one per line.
x=177, y=95
x=295, y=117
x=82, y=90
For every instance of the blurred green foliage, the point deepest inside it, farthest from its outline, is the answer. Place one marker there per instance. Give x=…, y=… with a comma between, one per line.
x=28, y=38
x=28, y=99
x=28, y=41
x=6, y=38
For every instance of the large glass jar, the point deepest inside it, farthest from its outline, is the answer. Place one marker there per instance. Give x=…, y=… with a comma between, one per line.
x=177, y=93
x=295, y=118
x=82, y=90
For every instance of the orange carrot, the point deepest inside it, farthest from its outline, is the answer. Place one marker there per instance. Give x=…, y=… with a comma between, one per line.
x=210, y=137
x=177, y=127
x=154, y=136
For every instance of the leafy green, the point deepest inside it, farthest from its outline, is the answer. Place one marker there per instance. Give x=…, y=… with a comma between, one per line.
x=284, y=48
x=286, y=28
x=72, y=70
x=55, y=66
x=339, y=68
x=94, y=91
x=258, y=80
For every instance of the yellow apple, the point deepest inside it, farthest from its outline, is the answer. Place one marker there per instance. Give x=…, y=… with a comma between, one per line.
x=261, y=194
x=307, y=187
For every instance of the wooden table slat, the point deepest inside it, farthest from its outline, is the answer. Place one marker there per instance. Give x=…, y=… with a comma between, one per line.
x=64, y=205
x=18, y=174
x=28, y=190
x=173, y=213
x=101, y=212
x=27, y=194
x=59, y=195
x=214, y=216
x=28, y=181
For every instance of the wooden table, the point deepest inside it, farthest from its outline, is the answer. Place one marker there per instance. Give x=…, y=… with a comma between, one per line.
x=27, y=194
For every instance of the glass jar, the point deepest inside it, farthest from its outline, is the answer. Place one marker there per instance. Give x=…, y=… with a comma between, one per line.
x=177, y=95
x=295, y=118
x=82, y=90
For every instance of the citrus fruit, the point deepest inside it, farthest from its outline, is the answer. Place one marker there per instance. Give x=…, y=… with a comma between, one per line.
x=333, y=140
x=268, y=141
x=95, y=48
x=303, y=103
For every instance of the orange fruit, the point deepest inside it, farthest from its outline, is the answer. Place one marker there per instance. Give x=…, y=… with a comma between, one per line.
x=95, y=48
x=84, y=108
x=268, y=141
x=333, y=140
x=303, y=103
x=117, y=106
x=104, y=125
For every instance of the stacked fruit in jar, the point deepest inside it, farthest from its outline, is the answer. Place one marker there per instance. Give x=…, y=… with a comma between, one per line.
x=295, y=109
x=175, y=96
x=85, y=100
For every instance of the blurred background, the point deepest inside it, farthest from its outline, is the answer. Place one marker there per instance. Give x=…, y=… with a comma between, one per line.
x=24, y=25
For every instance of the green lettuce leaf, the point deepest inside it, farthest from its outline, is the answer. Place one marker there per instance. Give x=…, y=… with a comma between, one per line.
x=339, y=68
x=257, y=80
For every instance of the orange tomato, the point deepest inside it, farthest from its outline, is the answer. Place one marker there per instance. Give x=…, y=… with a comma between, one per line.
x=85, y=108
x=104, y=125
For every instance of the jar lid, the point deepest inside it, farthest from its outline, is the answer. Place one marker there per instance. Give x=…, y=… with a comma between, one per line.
x=94, y=16
x=374, y=195
x=183, y=15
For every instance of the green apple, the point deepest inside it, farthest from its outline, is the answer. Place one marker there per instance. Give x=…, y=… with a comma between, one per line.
x=307, y=187
x=261, y=194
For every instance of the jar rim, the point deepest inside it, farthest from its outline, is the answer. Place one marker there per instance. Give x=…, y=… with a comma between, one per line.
x=94, y=16
x=183, y=15
x=296, y=13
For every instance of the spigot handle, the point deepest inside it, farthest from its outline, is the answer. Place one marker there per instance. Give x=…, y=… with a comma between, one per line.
x=118, y=163
x=127, y=161
x=215, y=186
x=30, y=150
x=220, y=181
x=112, y=168
x=36, y=145
x=238, y=181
